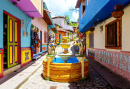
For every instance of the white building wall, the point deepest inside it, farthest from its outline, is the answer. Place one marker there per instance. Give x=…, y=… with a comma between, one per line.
x=99, y=37
x=126, y=29
x=59, y=21
x=41, y=25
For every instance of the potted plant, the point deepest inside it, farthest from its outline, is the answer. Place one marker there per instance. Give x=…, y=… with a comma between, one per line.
x=91, y=29
x=49, y=59
x=81, y=55
x=119, y=11
x=76, y=53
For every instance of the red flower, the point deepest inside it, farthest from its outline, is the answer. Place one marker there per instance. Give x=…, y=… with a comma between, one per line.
x=119, y=7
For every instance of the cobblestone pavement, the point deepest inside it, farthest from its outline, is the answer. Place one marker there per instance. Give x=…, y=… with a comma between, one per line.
x=94, y=81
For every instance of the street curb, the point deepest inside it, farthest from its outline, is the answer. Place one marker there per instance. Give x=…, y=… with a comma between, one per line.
x=27, y=78
x=115, y=80
x=19, y=79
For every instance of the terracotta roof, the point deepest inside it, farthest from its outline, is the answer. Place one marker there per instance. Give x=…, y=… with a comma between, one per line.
x=60, y=29
x=46, y=18
x=58, y=17
x=78, y=3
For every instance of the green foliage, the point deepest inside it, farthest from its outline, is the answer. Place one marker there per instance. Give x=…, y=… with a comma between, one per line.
x=32, y=26
x=47, y=78
x=67, y=18
x=76, y=52
x=50, y=55
x=83, y=78
x=73, y=24
x=58, y=26
x=81, y=56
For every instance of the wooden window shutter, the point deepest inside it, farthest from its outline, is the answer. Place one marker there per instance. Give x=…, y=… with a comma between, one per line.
x=91, y=38
x=111, y=34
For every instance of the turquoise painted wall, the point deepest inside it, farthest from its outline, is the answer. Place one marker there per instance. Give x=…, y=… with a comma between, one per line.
x=7, y=6
x=45, y=47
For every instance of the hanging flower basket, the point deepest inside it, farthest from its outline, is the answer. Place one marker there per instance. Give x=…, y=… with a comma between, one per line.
x=117, y=14
x=91, y=29
x=119, y=11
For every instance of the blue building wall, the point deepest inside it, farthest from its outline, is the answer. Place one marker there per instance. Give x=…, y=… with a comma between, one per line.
x=97, y=11
x=7, y=6
x=46, y=48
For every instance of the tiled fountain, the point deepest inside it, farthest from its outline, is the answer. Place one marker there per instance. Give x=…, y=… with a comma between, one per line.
x=63, y=67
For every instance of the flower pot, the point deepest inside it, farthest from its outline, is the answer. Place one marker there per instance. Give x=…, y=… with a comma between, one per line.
x=81, y=58
x=117, y=14
x=50, y=58
x=91, y=29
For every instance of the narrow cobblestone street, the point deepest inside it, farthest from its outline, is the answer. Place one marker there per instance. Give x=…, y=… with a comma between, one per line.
x=94, y=81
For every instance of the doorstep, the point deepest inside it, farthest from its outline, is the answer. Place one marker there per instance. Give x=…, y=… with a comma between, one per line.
x=12, y=69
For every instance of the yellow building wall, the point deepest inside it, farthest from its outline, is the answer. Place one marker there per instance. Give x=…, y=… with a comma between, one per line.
x=99, y=37
x=39, y=5
x=87, y=38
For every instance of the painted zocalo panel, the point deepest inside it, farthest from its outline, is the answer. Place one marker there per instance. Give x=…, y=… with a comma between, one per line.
x=25, y=55
x=1, y=62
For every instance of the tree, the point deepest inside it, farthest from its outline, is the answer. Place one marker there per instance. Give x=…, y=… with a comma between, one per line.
x=73, y=24
x=67, y=18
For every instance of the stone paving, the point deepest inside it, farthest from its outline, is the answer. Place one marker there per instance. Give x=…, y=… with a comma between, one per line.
x=94, y=81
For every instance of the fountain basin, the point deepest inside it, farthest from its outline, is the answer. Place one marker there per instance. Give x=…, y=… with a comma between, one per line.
x=65, y=72
x=65, y=45
x=65, y=37
x=65, y=57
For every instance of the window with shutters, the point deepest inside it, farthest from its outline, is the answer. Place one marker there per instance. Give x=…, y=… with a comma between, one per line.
x=83, y=7
x=113, y=34
x=88, y=2
x=91, y=40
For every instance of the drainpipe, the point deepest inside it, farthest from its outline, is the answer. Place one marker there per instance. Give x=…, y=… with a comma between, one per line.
x=48, y=28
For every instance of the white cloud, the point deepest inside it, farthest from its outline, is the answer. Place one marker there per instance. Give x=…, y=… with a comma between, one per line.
x=58, y=7
x=75, y=16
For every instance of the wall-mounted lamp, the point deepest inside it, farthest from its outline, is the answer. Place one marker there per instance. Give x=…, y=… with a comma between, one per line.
x=18, y=1
x=101, y=28
x=14, y=3
x=32, y=17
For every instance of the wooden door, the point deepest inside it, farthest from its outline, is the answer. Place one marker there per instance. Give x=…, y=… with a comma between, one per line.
x=12, y=42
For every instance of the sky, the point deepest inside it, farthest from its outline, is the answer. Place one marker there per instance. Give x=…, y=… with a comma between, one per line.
x=61, y=8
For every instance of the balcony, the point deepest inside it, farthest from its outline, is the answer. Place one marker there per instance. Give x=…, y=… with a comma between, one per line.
x=98, y=11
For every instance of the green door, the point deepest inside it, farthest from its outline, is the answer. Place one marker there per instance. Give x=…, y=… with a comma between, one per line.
x=12, y=42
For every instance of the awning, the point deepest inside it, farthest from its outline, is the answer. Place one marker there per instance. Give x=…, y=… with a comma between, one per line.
x=60, y=29
x=27, y=7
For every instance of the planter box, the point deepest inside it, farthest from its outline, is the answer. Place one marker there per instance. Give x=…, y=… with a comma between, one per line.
x=117, y=14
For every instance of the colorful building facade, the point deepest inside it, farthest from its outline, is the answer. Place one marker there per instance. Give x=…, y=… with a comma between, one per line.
x=40, y=34
x=62, y=27
x=107, y=37
x=15, y=34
